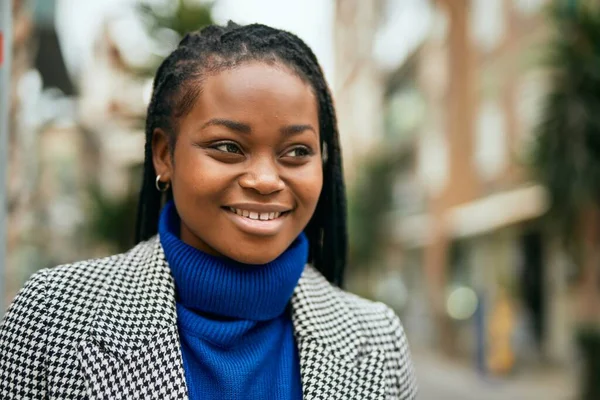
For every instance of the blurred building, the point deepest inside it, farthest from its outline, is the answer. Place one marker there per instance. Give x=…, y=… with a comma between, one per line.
x=23, y=27
x=69, y=135
x=358, y=88
x=462, y=108
x=113, y=108
x=45, y=174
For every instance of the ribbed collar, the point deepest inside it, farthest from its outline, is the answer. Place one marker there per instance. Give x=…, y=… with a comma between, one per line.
x=226, y=287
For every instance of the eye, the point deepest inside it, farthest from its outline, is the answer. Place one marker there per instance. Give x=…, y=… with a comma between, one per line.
x=299, y=152
x=228, y=147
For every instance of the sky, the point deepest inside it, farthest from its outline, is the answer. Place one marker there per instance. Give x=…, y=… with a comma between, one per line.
x=311, y=20
x=407, y=22
x=79, y=22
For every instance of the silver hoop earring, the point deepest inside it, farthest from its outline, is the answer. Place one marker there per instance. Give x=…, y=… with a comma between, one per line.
x=161, y=188
x=325, y=156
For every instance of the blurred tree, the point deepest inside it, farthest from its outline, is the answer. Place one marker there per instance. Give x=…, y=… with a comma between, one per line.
x=370, y=200
x=566, y=159
x=168, y=21
x=112, y=220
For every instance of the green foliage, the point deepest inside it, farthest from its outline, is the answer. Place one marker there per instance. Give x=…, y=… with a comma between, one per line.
x=186, y=16
x=170, y=25
x=112, y=220
x=369, y=202
x=566, y=156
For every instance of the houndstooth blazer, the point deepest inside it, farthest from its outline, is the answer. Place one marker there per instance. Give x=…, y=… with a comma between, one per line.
x=106, y=329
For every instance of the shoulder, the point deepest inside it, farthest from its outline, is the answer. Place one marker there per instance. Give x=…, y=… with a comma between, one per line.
x=91, y=273
x=375, y=320
x=354, y=327
x=49, y=318
x=383, y=331
x=94, y=269
x=69, y=291
x=68, y=281
x=380, y=325
x=62, y=282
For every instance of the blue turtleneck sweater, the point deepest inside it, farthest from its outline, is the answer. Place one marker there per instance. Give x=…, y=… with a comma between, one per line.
x=236, y=333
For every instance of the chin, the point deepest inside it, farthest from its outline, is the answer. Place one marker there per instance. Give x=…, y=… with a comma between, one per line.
x=255, y=257
x=255, y=250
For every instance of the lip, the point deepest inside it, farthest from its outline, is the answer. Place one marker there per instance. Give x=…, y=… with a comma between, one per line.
x=256, y=226
x=260, y=208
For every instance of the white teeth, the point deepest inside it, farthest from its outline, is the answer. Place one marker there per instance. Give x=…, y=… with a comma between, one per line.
x=256, y=215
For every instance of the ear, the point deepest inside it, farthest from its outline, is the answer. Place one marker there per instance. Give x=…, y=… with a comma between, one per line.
x=161, y=154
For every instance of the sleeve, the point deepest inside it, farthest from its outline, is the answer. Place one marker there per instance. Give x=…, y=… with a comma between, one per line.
x=23, y=343
x=405, y=382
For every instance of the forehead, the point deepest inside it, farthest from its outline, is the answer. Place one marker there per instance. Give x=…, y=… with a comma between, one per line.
x=254, y=91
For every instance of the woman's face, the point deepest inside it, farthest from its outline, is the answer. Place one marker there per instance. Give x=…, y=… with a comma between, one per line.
x=246, y=170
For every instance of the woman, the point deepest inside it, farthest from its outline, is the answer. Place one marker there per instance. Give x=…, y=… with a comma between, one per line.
x=232, y=291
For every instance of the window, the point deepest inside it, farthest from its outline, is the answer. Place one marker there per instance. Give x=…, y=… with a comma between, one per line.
x=490, y=140
x=487, y=23
x=433, y=159
x=528, y=7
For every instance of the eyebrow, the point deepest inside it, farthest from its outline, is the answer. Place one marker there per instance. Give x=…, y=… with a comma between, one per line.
x=241, y=127
x=292, y=130
x=227, y=123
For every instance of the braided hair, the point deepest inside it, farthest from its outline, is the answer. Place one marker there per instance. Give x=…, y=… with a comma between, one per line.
x=178, y=83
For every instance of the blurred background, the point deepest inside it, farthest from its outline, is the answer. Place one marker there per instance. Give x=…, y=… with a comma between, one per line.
x=471, y=145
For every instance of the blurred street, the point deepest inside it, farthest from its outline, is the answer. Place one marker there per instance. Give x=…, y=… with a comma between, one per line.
x=449, y=380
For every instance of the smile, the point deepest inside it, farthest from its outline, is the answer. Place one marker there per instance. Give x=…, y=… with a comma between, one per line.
x=259, y=216
x=260, y=220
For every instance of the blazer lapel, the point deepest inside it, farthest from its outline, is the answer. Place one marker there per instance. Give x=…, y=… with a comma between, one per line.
x=134, y=350
x=333, y=363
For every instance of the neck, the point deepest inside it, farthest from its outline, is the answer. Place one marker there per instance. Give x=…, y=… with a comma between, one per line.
x=227, y=288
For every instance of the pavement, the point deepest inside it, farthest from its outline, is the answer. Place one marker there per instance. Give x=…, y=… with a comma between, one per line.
x=440, y=378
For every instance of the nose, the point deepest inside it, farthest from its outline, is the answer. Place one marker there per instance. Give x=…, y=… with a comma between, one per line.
x=262, y=177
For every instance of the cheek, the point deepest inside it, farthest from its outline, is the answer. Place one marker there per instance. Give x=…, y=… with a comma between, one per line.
x=198, y=175
x=307, y=185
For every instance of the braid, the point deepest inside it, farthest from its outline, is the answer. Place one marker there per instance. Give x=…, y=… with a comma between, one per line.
x=178, y=83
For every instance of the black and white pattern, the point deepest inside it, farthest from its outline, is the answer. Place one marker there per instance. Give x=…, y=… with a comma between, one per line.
x=106, y=329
